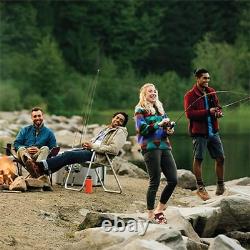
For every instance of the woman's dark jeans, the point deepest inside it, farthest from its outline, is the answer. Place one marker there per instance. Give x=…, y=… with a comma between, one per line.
x=67, y=158
x=158, y=160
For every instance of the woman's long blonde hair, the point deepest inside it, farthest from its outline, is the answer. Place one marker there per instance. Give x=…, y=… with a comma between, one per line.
x=149, y=107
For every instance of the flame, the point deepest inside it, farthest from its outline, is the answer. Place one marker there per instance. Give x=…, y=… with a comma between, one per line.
x=7, y=169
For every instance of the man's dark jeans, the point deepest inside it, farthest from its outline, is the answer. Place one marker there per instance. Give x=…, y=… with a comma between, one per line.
x=67, y=158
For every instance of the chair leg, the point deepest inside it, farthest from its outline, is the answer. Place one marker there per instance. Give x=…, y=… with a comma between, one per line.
x=116, y=178
x=67, y=180
x=19, y=169
x=50, y=179
x=99, y=178
x=110, y=190
x=83, y=184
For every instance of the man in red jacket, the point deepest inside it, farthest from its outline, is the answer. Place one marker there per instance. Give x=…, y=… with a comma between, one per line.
x=202, y=108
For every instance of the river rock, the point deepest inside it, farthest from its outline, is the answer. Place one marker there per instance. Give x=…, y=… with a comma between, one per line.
x=186, y=179
x=203, y=219
x=144, y=244
x=222, y=242
x=244, y=181
x=123, y=167
x=18, y=184
x=235, y=214
x=163, y=234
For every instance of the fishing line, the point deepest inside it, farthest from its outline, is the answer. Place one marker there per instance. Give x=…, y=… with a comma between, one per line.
x=86, y=112
x=85, y=119
x=232, y=103
x=206, y=94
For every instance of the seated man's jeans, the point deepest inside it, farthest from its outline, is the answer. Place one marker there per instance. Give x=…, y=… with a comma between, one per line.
x=67, y=158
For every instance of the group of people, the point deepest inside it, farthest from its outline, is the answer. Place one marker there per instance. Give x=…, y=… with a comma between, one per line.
x=153, y=128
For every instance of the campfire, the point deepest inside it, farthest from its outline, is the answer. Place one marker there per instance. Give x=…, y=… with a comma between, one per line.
x=10, y=182
x=7, y=172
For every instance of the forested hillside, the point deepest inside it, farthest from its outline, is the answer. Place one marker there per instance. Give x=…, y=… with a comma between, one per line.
x=50, y=50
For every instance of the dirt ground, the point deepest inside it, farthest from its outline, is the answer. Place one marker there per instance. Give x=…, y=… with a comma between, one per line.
x=48, y=220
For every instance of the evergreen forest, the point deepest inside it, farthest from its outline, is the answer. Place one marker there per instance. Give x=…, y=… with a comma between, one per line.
x=50, y=51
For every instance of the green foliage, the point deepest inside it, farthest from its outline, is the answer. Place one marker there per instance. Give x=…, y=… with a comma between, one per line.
x=227, y=64
x=115, y=88
x=219, y=59
x=49, y=70
x=18, y=30
x=171, y=88
x=32, y=100
x=50, y=51
x=242, y=66
x=9, y=97
x=242, y=47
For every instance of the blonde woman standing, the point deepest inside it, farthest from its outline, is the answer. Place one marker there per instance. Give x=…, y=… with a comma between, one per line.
x=153, y=129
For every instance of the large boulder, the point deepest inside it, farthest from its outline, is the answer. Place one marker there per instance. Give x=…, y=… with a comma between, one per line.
x=241, y=181
x=18, y=184
x=178, y=221
x=235, y=214
x=222, y=242
x=123, y=167
x=186, y=179
x=144, y=245
x=156, y=235
x=203, y=219
x=65, y=138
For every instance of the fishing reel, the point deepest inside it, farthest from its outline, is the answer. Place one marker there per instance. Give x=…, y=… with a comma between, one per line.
x=218, y=113
x=172, y=125
x=166, y=123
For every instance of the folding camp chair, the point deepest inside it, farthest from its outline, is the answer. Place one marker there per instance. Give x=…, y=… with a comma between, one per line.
x=9, y=151
x=92, y=165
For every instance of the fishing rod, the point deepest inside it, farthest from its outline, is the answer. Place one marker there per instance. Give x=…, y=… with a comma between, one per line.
x=85, y=115
x=232, y=103
x=173, y=123
x=85, y=119
x=89, y=107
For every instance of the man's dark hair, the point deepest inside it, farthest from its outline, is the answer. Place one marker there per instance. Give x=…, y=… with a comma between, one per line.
x=125, y=116
x=198, y=72
x=36, y=109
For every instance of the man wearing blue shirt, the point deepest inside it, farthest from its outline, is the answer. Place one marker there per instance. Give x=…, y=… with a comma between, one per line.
x=36, y=140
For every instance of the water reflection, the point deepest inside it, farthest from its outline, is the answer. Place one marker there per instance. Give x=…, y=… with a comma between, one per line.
x=237, y=151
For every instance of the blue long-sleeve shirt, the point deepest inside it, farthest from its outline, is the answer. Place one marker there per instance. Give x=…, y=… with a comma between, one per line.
x=29, y=136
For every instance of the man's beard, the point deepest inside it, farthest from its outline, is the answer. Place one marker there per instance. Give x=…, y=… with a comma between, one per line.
x=38, y=125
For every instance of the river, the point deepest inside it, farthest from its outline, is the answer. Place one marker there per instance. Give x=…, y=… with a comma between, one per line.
x=237, y=152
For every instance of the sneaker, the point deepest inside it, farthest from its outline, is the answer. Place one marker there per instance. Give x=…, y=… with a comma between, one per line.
x=220, y=189
x=34, y=168
x=202, y=193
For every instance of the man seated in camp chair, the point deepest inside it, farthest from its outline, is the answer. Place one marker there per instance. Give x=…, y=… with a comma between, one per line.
x=35, y=141
x=110, y=140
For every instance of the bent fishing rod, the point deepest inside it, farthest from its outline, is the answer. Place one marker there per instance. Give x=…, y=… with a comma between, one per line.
x=173, y=123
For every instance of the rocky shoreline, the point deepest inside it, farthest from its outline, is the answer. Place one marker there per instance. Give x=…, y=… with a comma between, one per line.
x=108, y=221
x=222, y=222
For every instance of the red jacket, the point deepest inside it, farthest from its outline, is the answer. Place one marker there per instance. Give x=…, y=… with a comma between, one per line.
x=197, y=113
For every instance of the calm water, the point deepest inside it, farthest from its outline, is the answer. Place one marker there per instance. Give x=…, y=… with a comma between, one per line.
x=237, y=151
